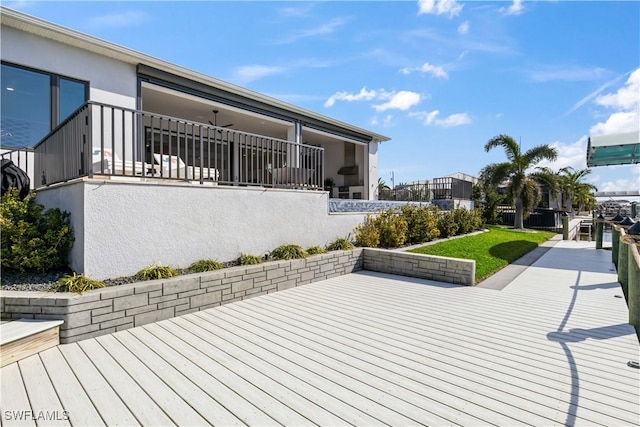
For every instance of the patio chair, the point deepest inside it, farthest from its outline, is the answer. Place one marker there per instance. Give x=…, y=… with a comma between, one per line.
x=108, y=162
x=174, y=167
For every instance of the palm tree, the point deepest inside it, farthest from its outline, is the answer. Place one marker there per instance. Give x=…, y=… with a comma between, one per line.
x=579, y=193
x=550, y=180
x=524, y=191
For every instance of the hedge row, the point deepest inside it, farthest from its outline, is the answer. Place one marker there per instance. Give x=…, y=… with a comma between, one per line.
x=416, y=224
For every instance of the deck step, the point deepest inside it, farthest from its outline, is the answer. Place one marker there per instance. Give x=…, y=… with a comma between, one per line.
x=24, y=337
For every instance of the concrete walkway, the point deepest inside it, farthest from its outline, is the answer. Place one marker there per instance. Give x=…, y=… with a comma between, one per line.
x=503, y=277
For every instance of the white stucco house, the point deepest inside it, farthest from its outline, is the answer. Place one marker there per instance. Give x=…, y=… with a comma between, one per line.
x=158, y=163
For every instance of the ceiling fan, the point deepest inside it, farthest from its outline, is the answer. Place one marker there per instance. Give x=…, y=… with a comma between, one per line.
x=215, y=121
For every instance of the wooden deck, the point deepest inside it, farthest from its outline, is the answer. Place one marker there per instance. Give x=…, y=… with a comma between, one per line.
x=362, y=349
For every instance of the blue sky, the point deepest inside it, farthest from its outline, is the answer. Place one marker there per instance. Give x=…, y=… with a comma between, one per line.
x=439, y=77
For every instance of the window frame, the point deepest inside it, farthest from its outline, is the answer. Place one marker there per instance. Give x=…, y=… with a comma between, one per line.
x=54, y=90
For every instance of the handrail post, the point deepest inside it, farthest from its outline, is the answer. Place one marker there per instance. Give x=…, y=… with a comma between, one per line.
x=615, y=243
x=599, y=232
x=634, y=285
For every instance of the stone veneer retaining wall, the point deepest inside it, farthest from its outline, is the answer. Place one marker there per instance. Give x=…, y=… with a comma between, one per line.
x=107, y=310
x=431, y=267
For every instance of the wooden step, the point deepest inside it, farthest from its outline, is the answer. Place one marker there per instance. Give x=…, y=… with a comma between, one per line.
x=25, y=337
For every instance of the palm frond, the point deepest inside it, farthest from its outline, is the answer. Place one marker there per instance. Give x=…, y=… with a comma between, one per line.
x=536, y=154
x=511, y=147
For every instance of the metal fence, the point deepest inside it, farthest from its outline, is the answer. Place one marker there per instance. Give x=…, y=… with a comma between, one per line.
x=542, y=219
x=437, y=189
x=100, y=139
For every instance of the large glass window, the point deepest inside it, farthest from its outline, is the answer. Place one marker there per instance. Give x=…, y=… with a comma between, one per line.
x=72, y=96
x=33, y=103
x=26, y=107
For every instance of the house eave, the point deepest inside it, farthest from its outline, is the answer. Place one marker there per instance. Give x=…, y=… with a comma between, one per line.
x=48, y=30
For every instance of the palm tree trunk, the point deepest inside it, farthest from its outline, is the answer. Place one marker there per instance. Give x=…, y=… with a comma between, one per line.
x=518, y=221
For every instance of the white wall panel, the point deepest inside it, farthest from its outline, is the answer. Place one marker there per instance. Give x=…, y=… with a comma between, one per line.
x=128, y=226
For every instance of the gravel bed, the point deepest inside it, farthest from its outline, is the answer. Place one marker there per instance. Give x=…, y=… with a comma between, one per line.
x=37, y=282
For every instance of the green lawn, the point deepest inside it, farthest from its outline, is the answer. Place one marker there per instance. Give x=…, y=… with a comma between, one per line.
x=491, y=250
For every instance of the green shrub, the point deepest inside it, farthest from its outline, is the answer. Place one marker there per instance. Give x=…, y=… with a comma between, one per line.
x=33, y=239
x=477, y=219
x=246, y=259
x=392, y=228
x=77, y=284
x=315, y=250
x=462, y=217
x=284, y=252
x=422, y=223
x=154, y=272
x=367, y=233
x=340, y=244
x=203, y=265
x=447, y=224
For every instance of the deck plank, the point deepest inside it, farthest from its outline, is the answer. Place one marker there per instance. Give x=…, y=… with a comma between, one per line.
x=42, y=395
x=444, y=365
x=172, y=404
x=72, y=396
x=274, y=408
x=111, y=408
x=136, y=398
x=226, y=396
x=13, y=398
x=315, y=410
x=202, y=399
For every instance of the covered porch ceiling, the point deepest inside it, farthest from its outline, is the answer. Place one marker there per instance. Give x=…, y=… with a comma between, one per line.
x=169, y=102
x=618, y=149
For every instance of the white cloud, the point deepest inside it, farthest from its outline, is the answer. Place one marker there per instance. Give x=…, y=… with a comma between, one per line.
x=631, y=183
x=118, y=20
x=430, y=118
x=426, y=68
x=320, y=30
x=627, y=97
x=439, y=7
x=386, y=122
x=402, y=100
x=249, y=73
x=569, y=155
x=463, y=28
x=566, y=73
x=592, y=95
x=626, y=100
x=617, y=123
x=516, y=8
x=297, y=10
x=453, y=120
x=363, y=95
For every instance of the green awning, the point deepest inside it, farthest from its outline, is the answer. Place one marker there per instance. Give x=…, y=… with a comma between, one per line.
x=620, y=149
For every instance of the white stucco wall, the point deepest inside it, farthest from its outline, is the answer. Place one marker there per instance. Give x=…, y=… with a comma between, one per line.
x=111, y=81
x=70, y=198
x=128, y=226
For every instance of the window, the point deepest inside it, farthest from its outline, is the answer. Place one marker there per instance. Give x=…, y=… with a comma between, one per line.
x=33, y=103
x=71, y=96
x=26, y=101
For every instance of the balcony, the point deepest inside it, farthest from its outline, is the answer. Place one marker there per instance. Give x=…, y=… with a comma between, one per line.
x=101, y=140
